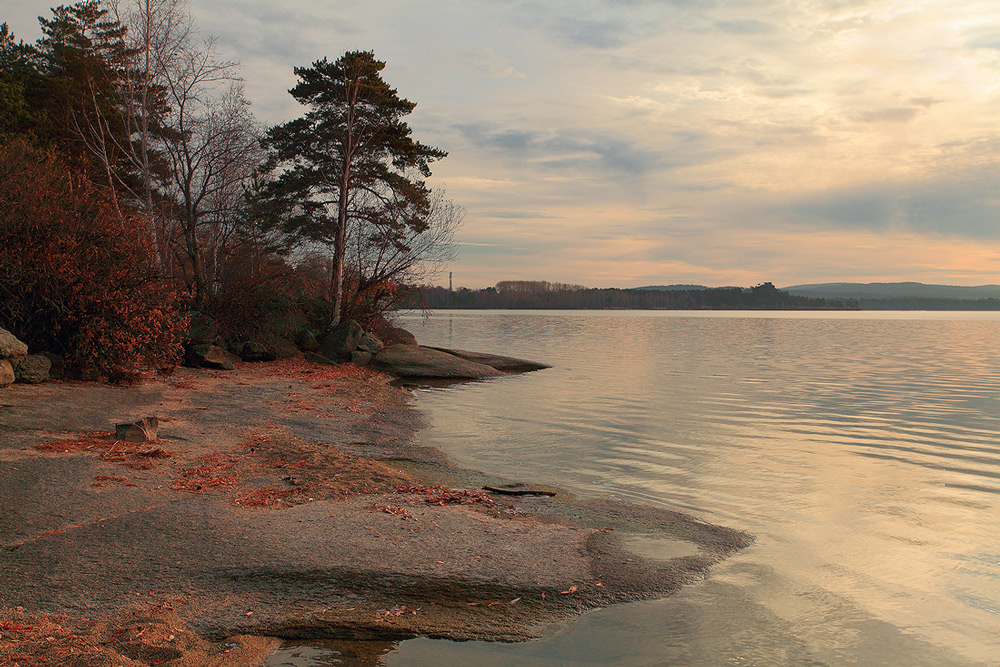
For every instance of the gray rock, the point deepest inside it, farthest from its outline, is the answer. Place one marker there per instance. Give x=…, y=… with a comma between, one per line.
x=210, y=356
x=361, y=358
x=143, y=430
x=253, y=350
x=370, y=343
x=11, y=346
x=341, y=340
x=307, y=342
x=202, y=328
x=505, y=364
x=283, y=349
x=58, y=369
x=319, y=359
x=424, y=362
x=6, y=373
x=32, y=369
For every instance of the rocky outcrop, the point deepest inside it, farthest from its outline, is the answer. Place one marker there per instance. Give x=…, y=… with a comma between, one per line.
x=11, y=346
x=143, y=430
x=505, y=364
x=210, y=356
x=390, y=334
x=31, y=369
x=414, y=361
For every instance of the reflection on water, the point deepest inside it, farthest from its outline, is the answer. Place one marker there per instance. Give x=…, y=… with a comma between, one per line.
x=862, y=449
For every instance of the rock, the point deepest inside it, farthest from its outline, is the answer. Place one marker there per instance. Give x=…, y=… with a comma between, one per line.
x=253, y=350
x=283, y=349
x=11, y=346
x=32, y=369
x=361, y=358
x=341, y=340
x=143, y=430
x=505, y=364
x=210, y=356
x=390, y=334
x=307, y=341
x=58, y=369
x=202, y=328
x=518, y=489
x=370, y=343
x=6, y=373
x=320, y=359
x=414, y=361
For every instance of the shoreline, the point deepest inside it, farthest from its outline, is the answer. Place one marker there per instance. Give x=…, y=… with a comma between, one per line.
x=290, y=503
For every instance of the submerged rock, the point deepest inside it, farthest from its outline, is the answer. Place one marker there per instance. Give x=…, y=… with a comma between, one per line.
x=425, y=362
x=501, y=363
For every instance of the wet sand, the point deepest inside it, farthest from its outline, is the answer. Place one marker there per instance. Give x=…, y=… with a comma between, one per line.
x=286, y=500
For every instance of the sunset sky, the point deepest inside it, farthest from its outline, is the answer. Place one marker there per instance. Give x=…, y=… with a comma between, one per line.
x=641, y=142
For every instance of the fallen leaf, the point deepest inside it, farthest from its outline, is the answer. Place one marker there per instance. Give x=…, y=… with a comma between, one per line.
x=571, y=589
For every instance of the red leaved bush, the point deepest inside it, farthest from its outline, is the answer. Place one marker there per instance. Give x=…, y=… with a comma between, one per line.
x=77, y=274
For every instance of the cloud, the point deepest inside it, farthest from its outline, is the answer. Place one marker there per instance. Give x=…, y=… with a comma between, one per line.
x=886, y=115
x=487, y=63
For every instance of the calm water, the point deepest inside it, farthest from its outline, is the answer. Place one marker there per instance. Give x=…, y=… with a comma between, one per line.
x=863, y=450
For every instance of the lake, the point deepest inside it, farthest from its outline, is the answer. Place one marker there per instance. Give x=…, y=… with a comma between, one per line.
x=861, y=448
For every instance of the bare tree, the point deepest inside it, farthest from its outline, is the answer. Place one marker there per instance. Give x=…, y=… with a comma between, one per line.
x=386, y=257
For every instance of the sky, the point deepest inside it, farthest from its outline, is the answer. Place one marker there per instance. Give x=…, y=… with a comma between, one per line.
x=621, y=143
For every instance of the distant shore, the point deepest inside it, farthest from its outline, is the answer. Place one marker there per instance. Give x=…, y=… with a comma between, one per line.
x=286, y=500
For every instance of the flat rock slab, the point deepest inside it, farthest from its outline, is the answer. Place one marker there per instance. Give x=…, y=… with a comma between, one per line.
x=143, y=430
x=415, y=361
x=85, y=534
x=501, y=363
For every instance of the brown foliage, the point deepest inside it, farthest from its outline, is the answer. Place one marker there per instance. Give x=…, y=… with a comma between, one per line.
x=77, y=273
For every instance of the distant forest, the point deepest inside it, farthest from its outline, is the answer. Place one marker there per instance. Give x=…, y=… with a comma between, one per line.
x=531, y=294
x=542, y=295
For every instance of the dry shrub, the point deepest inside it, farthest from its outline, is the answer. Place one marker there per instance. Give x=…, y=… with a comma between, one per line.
x=77, y=274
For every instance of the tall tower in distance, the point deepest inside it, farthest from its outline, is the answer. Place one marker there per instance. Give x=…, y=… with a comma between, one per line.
x=449, y=282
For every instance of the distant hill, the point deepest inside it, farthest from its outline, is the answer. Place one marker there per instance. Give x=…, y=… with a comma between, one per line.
x=672, y=288
x=893, y=291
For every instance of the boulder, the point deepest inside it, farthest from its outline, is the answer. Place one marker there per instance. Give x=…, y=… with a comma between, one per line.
x=341, y=340
x=6, y=373
x=390, y=334
x=32, y=369
x=319, y=359
x=307, y=341
x=424, y=362
x=11, y=346
x=283, y=349
x=505, y=364
x=210, y=356
x=202, y=328
x=370, y=343
x=58, y=369
x=253, y=350
x=361, y=358
x=143, y=430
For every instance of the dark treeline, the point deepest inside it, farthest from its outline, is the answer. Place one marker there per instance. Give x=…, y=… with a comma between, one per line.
x=926, y=303
x=539, y=295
